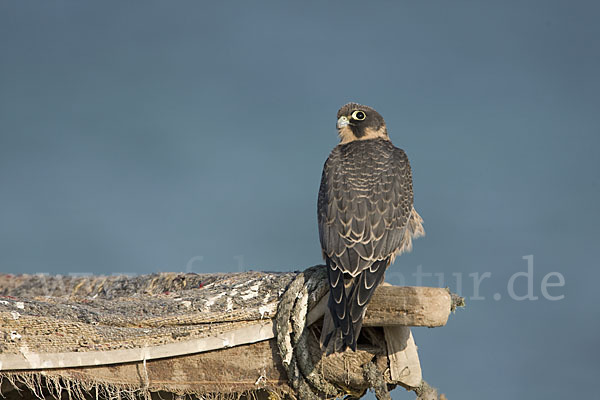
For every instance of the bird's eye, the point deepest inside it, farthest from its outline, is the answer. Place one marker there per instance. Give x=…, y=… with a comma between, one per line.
x=359, y=115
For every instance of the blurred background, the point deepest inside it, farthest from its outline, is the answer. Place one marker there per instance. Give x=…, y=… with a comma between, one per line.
x=138, y=137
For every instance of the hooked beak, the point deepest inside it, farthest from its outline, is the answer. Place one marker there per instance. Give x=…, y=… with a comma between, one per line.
x=342, y=122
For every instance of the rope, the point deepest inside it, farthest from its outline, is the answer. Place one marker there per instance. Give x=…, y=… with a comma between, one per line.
x=305, y=291
x=376, y=381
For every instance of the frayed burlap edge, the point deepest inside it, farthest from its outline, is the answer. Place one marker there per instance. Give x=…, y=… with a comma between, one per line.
x=41, y=384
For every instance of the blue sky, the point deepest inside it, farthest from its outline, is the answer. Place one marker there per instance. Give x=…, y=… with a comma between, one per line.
x=139, y=137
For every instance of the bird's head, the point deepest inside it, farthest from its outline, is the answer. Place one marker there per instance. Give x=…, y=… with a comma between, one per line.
x=358, y=122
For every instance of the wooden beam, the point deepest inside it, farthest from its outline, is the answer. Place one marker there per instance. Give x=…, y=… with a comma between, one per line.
x=32, y=360
x=400, y=305
x=409, y=305
x=390, y=306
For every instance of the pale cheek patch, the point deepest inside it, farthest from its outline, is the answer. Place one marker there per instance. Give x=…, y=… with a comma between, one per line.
x=347, y=136
x=371, y=133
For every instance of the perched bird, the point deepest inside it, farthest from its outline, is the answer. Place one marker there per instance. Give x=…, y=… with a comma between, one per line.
x=366, y=218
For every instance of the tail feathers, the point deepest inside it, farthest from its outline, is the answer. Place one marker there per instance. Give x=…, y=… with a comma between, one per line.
x=332, y=340
x=339, y=310
x=362, y=290
x=348, y=299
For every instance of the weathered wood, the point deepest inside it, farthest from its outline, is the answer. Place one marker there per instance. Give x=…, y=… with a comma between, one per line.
x=230, y=373
x=390, y=306
x=186, y=333
x=400, y=305
x=402, y=355
x=191, y=367
x=32, y=360
x=408, y=305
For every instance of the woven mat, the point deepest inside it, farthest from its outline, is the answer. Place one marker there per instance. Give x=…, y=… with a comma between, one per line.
x=55, y=314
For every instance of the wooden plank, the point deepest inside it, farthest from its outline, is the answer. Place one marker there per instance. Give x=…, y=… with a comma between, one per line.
x=400, y=305
x=409, y=305
x=390, y=306
x=231, y=372
x=402, y=356
x=31, y=360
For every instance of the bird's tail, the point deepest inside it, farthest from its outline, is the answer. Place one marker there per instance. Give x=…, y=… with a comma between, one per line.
x=363, y=287
x=348, y=299
x=337, y=324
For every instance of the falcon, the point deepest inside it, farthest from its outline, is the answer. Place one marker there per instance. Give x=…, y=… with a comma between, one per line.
x=366, y=218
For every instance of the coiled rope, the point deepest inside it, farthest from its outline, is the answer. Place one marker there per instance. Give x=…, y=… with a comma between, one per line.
x=303, y=371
